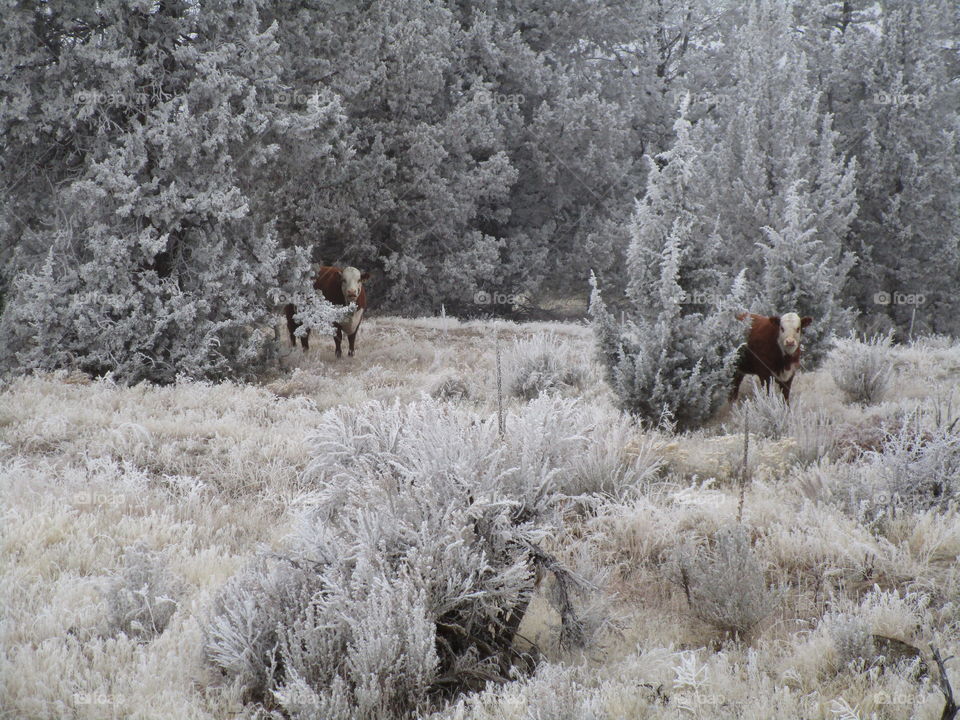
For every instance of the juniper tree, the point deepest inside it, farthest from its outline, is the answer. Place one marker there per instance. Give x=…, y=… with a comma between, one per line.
x=773, y=175
x=905, y=133
x=131, y=131
x=672, y=356
x=805, y=273
x=888, y=72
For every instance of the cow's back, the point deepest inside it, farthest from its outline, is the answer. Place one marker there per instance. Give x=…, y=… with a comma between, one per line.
x=328, y=283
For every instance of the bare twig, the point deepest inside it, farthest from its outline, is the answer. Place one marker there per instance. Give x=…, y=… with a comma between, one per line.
x=745, y=470
x=501, y=424
x=950, y=705
x=571, y=629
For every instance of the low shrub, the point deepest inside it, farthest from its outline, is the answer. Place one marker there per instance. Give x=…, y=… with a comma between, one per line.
x=409, y=574
x=862, y=370
x=541, y=364
x=724, y=582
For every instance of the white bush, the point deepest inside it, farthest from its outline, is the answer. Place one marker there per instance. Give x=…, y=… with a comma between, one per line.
x=542, y=363
x=917, y=468
x=142, y=597
x=414, y=564
x=724, y=582
x=767, y=413
x=862, y=370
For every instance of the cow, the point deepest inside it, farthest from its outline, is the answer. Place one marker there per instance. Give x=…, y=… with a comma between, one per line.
x=341, y=286
x=772, y=350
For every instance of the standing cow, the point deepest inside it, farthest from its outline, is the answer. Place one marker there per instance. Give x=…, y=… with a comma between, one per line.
x=341, y=287
x=772, y=350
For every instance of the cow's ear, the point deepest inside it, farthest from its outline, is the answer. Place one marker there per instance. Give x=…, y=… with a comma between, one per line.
x=805, y=321
x=775, y=319
x=364, y=276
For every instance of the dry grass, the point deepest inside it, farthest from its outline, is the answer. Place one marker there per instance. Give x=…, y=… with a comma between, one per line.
x=197, y=477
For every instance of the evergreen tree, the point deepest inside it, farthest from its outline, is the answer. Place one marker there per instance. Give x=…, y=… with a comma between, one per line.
x=909, y=195
x=774, y=175
x=805, y=273
x=671, y=359
x=889, y=72
x=130, y=131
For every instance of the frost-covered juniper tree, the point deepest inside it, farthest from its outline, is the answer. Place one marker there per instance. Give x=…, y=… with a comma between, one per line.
x=490, y=143
x=893, y=89
x=672, y=356
x=131, y=128
x=772, y=176
x=801, y=270
x=675, y=366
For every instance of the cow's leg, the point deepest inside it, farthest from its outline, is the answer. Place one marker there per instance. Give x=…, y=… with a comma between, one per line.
x=305, y=340
x=765, y=379
x=735, y=392
x=785, y=389
x=351, y=339
x=289, y=310
x=337, y=339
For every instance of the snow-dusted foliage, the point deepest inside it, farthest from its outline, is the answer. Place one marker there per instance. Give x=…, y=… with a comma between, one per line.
x=414, y=564
x=862, y=369
x=805, y=273
x=724, y=582
x=773, y=179
x=765, y=413
x=671, y=359
x=143, y=596
x=674, y=369
x=915, y=468
x=484, y=149
x=890, y=73
x=136, y=249
x=539, y=364
x=288, y=580
x=316, y=313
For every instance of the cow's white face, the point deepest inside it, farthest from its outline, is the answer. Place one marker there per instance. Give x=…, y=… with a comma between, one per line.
x=351, y=283
x=791, y=325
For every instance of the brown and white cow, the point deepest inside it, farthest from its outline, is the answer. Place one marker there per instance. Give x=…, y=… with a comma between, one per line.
x=772, y=350
x=341, y=286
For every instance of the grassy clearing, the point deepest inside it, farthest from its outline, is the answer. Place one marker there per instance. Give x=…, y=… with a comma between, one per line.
x=127, y=509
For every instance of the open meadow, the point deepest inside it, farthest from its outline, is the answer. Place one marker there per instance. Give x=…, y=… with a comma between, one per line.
x=157, y=540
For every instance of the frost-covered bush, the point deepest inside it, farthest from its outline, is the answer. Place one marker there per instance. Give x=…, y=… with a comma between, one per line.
x=140, y=249
x=862, y=370
x=314, y=312
x=919, y=468
x=915, y=469
x=413, y=566
x=768, y=415
x=815, y=432
x=141, y=598
x=541, y=363
x=673, y=369
x=670, y=359
x=852, y=639
x=450, y=387
x=881, y=628
x=593, y=450
x=242, y=635
x=724, y=582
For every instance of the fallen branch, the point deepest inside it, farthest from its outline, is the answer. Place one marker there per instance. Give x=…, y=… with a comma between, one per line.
x=571, y=629
x=950, y=706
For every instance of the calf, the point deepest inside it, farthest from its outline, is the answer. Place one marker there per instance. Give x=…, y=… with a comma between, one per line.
x=772, y=350
x=341, y=287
